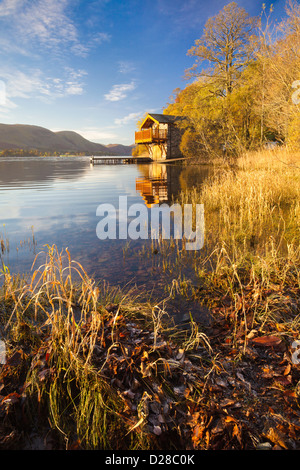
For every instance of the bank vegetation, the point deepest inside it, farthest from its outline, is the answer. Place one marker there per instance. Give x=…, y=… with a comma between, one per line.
x=243, y=92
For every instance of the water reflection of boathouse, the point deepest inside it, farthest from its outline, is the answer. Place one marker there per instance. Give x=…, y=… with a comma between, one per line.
x=157, y=185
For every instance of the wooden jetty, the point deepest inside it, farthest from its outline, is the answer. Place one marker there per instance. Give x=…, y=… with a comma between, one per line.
x=119, y=160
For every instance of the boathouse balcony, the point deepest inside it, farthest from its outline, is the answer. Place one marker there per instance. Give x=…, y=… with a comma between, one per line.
x=147, y=136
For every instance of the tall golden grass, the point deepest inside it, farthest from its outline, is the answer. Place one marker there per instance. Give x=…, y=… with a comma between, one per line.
x=60, y=312
x=252, y=232
x=60, y=319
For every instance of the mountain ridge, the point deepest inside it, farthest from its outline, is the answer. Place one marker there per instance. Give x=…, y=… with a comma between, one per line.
x=31, y=137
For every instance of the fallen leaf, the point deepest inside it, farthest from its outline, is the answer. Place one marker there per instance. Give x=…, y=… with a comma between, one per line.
x=290, y=394
x=284, y=380
x=180, y=354
x=267, y=341
x=198, y=433
x=123, y=334
x=268, y=372
x=251, y=334
x=44, y=374
x=145, y=356
x=230, y=419
x=236, y=432
x=11, y=399
x=226, y=402
x=218, y=428
x=221, y=382
x=277, y=437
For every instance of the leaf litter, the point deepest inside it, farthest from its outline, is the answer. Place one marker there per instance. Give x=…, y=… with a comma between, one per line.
x=217, y=386
x=205, y=400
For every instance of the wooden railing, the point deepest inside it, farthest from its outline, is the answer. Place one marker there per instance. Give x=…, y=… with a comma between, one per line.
x=143, y=136
x=151, y=135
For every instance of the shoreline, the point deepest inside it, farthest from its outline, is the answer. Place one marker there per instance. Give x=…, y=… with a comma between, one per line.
x=156, y=387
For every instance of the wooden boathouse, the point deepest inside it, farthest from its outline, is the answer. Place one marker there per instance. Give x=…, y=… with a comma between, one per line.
x=161, y=135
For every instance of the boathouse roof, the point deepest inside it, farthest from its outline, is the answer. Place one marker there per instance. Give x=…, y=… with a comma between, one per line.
x=159, y=118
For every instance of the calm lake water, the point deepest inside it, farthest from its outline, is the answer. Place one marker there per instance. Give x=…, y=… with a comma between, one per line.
x=53, y=200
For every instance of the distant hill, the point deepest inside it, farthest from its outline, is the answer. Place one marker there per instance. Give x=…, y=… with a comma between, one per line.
x=27, y=137
x=119, y=149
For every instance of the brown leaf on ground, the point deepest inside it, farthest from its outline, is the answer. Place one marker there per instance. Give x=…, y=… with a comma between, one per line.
x=236, y=431
x=277, y=437
x=11, y=399
x=267, y=341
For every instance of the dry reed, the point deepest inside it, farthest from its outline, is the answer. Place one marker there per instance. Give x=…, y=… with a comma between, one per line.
x=251, y=253
x=70, y=329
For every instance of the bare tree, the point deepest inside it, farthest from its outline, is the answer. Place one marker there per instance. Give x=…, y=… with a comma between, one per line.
x=227, y=45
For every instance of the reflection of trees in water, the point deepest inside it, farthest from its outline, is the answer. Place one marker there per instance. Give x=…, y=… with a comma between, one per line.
x=161, y=183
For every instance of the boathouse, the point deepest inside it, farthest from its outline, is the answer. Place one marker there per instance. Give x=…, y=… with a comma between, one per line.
x=161, y=135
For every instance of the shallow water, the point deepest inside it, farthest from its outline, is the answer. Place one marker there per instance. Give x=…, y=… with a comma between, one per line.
x=53, y=200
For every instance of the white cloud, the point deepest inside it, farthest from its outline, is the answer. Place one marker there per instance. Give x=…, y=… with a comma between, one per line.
x=42, y=20
x=83, y=49
x=34, y=83
x=99, y=38
x=21, y=85
x=73, y=89
x=75, y=74
x=74, y=84
x=11, y=47
x=46, y=23
x=120, y=92
x=126, y=119
x=7, y=7
x=126, y=67
x=95, y=134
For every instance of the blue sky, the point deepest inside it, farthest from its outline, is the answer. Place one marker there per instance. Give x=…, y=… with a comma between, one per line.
x=97, y=66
